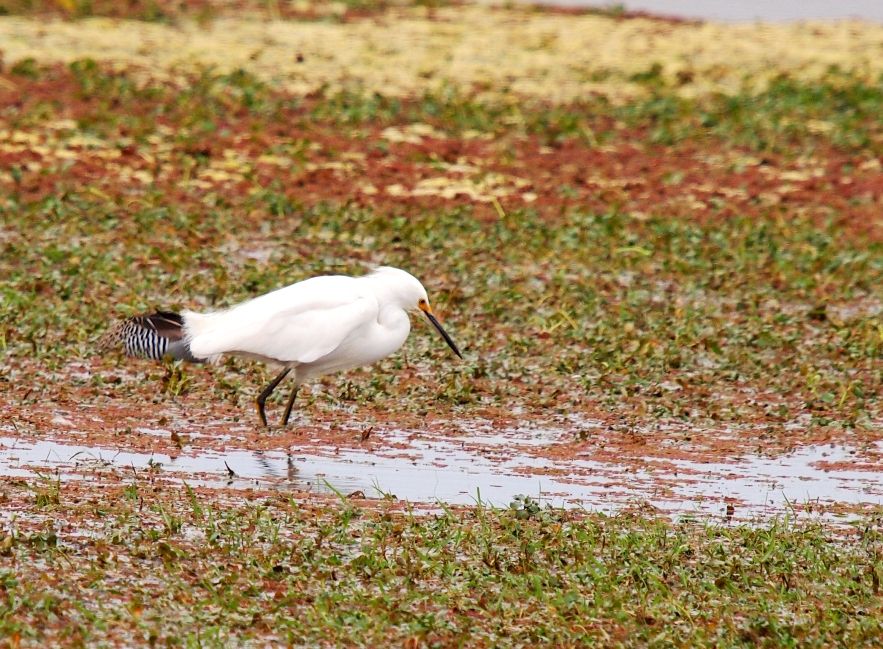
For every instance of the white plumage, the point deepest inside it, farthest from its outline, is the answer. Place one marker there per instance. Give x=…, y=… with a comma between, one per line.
x=320, y=325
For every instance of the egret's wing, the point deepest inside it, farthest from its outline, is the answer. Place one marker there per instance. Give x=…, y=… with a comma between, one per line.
x=309, y=335
x=300, y=323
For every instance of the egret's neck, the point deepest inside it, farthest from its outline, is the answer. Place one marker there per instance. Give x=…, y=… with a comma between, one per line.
x=384, y=292
x=394, y=317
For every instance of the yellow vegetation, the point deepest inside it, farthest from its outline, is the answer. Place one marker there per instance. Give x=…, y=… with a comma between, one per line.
x=491, y=51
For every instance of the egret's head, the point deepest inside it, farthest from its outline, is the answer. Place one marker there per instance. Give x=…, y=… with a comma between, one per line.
x=408, y=293
x=399, y=287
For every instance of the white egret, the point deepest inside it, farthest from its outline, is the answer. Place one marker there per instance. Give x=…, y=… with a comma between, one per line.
x=314, y=327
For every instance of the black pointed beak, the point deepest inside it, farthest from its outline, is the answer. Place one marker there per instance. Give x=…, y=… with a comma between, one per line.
x=441, y=330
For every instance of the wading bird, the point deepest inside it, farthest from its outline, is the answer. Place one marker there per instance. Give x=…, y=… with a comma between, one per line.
x=314, y=327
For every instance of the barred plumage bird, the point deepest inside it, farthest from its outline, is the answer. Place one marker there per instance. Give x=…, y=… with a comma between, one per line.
x=155, y=335
x=314, y=327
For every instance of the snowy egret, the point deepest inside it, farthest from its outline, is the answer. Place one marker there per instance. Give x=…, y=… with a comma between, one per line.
x=314, y=327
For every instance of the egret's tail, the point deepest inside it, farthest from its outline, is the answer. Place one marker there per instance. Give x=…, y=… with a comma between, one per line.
x=154, y=335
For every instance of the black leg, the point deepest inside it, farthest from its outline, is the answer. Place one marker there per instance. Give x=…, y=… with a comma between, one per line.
x=291, y=399
x=262, y=397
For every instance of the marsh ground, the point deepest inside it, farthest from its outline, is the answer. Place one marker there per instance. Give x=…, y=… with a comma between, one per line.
x=658, y=243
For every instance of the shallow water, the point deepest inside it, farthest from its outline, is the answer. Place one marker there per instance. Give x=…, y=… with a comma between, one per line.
x=745, y=10
x=772, y=485
x=485, y=468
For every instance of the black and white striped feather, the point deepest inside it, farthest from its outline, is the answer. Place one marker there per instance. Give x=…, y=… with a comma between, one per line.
x=155, y=335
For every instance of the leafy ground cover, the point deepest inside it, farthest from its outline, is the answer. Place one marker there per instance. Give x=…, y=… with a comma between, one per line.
x=698, y=272
x=700, y=265
x=173, y=12
x=165, y=567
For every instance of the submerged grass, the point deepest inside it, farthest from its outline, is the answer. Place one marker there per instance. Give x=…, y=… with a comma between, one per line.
x=173, y=571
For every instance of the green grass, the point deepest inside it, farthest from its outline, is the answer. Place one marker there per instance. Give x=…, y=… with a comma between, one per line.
x=591, y=310
x=147, y=10
x=172, y=11
x=602, y=307
x=840, y=109
x=789, y=117
x=759, y=318
x=185, y=572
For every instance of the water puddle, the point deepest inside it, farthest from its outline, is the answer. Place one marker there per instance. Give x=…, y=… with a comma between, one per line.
x=744, y=10
x=487, y=467
x=426, y=471
x=813, y=476
x=813, y=479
